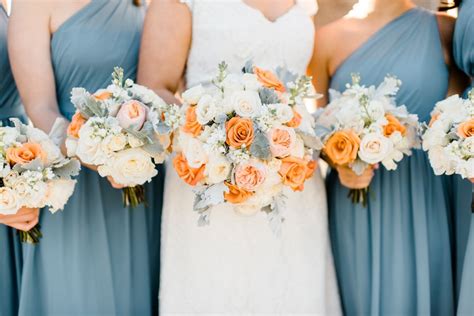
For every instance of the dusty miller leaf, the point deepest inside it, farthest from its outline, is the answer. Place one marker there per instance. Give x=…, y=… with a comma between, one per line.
x=260, y=147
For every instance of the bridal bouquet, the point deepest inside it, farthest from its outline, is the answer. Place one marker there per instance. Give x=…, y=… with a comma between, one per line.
x=449, y=139
x=33, y=173
x=124, y=130
x=244, y=139
x=363, y=127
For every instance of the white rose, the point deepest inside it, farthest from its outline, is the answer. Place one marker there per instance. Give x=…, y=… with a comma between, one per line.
x=134, y=142
x=71, y=147
x=251, y=82
x=376, y=110
x=283, y=112
x=114, y=142
x=129, y=167
x=91, y=153
x=217, y=169
x=298, y=148
x=30, y=195
x=192, y=95
x=206, y=109
x=53, y=153
x=246, y=103
x=374, y=148
x=9, y=202
x=59, y=192
x=232, y=83
x=194, y=153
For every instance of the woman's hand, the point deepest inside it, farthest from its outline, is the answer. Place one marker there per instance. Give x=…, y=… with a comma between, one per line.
x=351, y=180
x=472, y=180
x=25, y=219
x=114, y=184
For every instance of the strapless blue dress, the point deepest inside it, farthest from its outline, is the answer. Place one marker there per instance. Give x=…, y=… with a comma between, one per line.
x=96, y=257
x=393, y=257
x=10, y=247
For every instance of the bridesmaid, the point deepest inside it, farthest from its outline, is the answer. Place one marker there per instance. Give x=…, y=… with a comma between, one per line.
x=392, y=257
x=96, y=257
x=25, y=219
x=464, y=57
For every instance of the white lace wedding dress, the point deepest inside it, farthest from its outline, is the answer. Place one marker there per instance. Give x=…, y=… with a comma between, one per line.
x=237, y=265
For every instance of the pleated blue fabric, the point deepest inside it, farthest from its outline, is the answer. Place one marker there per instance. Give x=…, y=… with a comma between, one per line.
x=393, y=257
x=96, y=257
x=463, y=47
x=10, y=247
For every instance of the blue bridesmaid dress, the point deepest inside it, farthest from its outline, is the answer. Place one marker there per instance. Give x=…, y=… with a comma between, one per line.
x=464, y=56
x=393, y=257
x=10, y=248
x=97, y=257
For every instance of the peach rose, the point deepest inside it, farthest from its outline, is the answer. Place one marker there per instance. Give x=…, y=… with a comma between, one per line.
x=282, y=140
x=268, y=79
x=466, y=129
x=342, y=147
x=26, y=153
x=250, y=176
x=239, y=132
x=236, y=195
x=295, y=171
x=191, y=125
x=132, y=114
x=296, y=120
x=393, y=126
x=191, y=176
x=102, y=95
x=434, y=118
x=75, y=125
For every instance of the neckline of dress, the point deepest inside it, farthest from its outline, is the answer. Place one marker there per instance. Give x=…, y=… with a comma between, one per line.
x=373, y=37
x=268, y=20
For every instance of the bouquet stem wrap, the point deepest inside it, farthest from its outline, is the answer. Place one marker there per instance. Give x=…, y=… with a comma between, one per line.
x=133, y=196
x=32, y=236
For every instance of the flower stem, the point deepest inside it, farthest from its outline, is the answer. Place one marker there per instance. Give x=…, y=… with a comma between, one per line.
x=359, y=196
x=133, y=196
x=32, y=236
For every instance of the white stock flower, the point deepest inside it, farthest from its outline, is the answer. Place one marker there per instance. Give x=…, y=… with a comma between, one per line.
x=59, y=192
x=374, y=148
x=217, y=168
x=298, y=149
x=129, y=167
x=283, y=112
x=246, y=103
x=9, y=201
x=206, y=109
x=114, y=143
x=8, y=136
x=467, y=147
x=193, y=95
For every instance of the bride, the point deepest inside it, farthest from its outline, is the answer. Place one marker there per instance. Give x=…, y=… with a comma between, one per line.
x=236, y=265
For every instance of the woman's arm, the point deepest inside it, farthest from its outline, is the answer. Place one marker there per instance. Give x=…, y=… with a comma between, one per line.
x=165, y=45
x=29, y=50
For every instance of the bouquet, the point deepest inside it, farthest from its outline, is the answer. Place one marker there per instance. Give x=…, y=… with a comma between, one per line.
x=449, y=138
x=33, y=173
x=124, y=130
x=244, y=139
x=363, y=127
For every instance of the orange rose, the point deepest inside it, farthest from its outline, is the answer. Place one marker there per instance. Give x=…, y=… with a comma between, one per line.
x=239, y=132
x=393, y=126
x=295, y=171
x=236, y=195
x=268, y=79
x=466, y=129
x=191, y=176
x=102, y=95
x=26, y=153
x=295, y=121
x=434, y=118
x=191, y=125
x=342, y=147
x=75, y=125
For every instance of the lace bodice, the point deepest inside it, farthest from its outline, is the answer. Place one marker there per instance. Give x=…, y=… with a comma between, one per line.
x=234, y=32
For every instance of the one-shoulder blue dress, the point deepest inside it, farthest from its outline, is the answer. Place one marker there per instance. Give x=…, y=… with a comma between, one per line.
x=464, y=56
x=10, y=248
x=96, y=257
x=393, y=257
